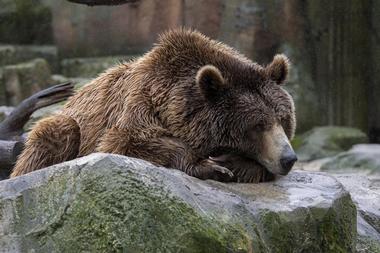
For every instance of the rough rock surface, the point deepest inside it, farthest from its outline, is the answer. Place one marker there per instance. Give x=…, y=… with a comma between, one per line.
x=363, y=158
x=327, y=141
x=366, y=195
x=110, y=203
x=14, y=54
x=24, y=79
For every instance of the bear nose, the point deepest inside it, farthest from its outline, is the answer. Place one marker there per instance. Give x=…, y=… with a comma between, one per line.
x=288, y=158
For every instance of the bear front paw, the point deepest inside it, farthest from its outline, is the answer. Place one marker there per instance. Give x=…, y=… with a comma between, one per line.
x=210, y=170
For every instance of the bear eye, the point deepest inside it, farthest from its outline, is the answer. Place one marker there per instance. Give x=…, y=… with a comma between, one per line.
x=260, y=127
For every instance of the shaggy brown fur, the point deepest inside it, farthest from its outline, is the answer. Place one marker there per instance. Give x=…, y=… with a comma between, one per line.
x=53, y=140
x=187, y=99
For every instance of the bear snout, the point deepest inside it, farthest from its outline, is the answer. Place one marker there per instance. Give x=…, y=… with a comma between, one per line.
x=287, y=160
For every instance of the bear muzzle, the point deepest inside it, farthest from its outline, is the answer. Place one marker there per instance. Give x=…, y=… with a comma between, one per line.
x=287, y=160
x=276, y=153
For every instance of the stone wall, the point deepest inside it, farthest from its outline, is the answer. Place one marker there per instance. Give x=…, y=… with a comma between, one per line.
x=126, y=29
x=25, y=22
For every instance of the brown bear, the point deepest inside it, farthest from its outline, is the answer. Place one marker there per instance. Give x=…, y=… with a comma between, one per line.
x=190, y=103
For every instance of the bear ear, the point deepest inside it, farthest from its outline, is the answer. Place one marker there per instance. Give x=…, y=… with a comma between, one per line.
x=210, y=81
x=278, y=69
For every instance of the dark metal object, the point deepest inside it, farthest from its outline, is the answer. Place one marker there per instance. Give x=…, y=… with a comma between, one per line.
x=103, y=2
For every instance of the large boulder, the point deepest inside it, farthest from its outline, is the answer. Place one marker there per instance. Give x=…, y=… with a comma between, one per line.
x=111, y=203
x=363, y=158
x=327, y=141
x=90, y=67
x=366, y=195
x=24, y=79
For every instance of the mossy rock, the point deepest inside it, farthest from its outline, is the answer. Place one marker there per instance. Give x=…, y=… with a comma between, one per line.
x=321, y=142
x=360, y=158
x=14, y=54
x=22, y=80
x=367, y=245
x=365, y=192
x=110, y=203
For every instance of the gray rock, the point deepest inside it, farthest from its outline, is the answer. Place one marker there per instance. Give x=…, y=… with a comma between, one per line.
x=107, y=203
x=90, y=67
x=366, y=195
x=57, y=79
x=77, y=81
x=314, y=165
x=24, y=79
x=327, y=141
x=14, y=54
x=363, y=158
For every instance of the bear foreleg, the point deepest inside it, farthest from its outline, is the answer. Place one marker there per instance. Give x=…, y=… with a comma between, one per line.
x=162, y=151
x=53, y=140
x=245, y=170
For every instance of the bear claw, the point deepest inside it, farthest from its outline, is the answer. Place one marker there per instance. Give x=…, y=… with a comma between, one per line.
x=215, y=171
x=223, y=170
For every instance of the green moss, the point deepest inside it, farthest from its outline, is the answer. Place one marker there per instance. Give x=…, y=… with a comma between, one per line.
x=283, y=229
x=125, y=216
x=327, y=231
x=105, y=207
x=339, y=238
x=367, y=245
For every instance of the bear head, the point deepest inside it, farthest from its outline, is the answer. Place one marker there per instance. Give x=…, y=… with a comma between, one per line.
x=218, y=101
x=256, y=115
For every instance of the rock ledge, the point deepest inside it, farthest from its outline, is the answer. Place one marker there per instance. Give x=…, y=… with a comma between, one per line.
x=107, y=203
